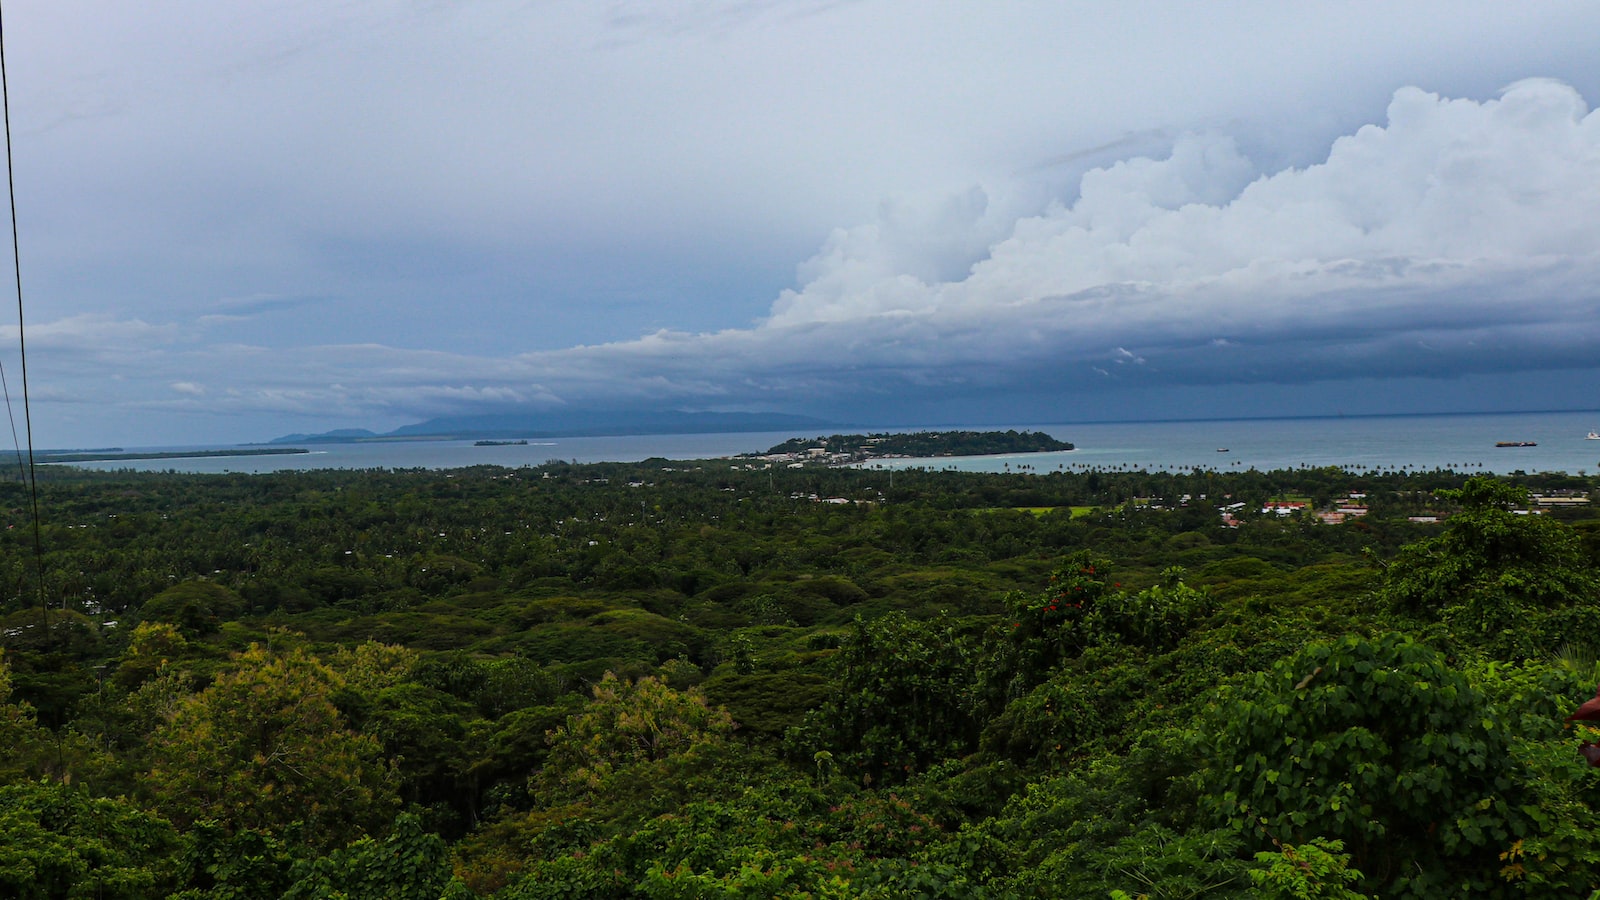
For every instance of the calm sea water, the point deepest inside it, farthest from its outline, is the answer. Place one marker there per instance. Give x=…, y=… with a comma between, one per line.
x=1461, y=442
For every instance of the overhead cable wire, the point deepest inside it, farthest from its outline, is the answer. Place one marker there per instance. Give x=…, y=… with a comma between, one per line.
x=22, y=341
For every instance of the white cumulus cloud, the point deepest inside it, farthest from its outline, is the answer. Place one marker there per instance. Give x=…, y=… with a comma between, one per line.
x=1475, y=224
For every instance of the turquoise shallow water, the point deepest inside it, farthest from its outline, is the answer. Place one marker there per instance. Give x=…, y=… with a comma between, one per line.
x=1462, y=442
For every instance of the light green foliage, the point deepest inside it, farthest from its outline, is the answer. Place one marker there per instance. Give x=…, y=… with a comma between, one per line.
x=783, y=838
x=264, y=746
x=569, y=878
x=373, y=666
x=1315, y=870
x=802, y=877
x=627, y=725
x=1160, y=864
x=680, y=674
x=1106, y=826
x=1560, y=791
x=56, y=841
x=764, y=875
x=512, y=683
x=151, y=646
x=157, y=699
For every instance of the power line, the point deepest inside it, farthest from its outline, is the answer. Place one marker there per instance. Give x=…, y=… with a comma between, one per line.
x=22, y=341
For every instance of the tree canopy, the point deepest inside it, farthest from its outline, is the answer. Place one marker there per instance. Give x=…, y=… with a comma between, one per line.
x=717, y=678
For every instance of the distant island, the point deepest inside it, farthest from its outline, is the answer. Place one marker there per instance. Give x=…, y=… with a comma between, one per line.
x=49, y=456
x=858, y=447
x=519, y=443
x=520, y=426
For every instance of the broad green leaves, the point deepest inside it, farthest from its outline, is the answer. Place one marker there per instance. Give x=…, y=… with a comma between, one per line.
x=1382, y=745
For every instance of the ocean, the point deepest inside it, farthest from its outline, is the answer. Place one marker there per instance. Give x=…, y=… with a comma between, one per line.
x=1460, y=442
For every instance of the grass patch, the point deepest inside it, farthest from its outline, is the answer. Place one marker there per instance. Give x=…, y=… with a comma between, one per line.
x=1039, y=512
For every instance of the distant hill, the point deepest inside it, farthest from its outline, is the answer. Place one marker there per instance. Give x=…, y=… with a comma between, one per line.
x=566, y=424
x=338, y=434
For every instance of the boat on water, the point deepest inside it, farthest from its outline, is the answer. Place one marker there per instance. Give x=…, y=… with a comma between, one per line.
x=1593, y=436
x=499, y=443
x=1222, y=449
x=1516, y=443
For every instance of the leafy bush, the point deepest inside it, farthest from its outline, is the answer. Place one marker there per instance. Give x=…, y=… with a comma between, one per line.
x=1381, y=745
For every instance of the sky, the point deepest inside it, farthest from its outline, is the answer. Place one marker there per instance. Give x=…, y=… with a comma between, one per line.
x=239, y=218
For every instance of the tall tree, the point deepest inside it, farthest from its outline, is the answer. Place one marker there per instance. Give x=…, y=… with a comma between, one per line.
x=265, y=745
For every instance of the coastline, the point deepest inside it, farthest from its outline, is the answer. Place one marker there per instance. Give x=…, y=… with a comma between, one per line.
x=1444, y=440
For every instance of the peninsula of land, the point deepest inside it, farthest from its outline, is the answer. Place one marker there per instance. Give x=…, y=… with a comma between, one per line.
x=854, y=448
x=114, y=455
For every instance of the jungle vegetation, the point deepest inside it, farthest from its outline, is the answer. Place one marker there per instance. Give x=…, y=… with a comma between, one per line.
x=698, y=679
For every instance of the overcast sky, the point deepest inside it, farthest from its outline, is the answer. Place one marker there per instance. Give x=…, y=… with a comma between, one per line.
x=242, y=218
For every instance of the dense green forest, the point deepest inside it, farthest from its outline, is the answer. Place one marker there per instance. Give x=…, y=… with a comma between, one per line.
x=697, y=679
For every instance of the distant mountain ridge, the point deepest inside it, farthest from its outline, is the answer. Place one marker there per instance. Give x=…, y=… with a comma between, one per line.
x=338, y=434
x=565, y=424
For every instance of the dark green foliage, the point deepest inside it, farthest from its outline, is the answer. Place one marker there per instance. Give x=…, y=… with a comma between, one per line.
x=408, y=864
x=1494, y=577
x=1074, y=711
x=241, y=865
x=767, y=704
x=48, y=656
x=706, y=684
x=196, y=607
x=1379, y=744
x=907, y=696
x=1083, y=608
x=425, y=730
x=1112, y=823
